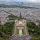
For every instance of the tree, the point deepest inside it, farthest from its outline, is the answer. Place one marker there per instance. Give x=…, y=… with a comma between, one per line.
x=33, y=28
x=9, y=26
x=12, y=17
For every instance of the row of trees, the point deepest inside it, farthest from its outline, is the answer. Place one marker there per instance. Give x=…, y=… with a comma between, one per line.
x=33, y=28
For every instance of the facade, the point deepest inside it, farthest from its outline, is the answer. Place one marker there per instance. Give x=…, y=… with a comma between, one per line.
x=20, y=27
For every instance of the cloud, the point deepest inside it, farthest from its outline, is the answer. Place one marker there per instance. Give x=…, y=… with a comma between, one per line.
x=35, y=1
x=21, y=0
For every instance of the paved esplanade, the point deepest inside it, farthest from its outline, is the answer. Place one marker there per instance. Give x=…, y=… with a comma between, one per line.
x=27, y=37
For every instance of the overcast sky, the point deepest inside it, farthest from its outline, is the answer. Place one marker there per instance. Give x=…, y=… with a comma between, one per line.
x=34, y=1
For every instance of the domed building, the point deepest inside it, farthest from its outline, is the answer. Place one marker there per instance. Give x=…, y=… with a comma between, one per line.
x=20, y=30
x=21, y=27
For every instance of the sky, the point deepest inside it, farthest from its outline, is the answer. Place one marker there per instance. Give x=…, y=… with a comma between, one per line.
x=34, y=1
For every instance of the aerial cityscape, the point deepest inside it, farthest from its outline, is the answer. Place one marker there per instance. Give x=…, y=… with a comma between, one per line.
x=19, y=19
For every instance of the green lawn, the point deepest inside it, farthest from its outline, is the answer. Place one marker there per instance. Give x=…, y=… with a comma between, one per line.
x=3, y=38
x=36, y=37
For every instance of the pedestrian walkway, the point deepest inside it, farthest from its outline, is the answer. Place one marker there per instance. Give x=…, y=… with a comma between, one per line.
x=27, y=37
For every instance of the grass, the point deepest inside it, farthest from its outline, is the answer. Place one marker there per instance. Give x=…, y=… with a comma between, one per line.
x=36, y=37
x=1, y=38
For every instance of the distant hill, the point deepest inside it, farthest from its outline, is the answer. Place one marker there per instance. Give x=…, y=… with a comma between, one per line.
x=16, y=5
